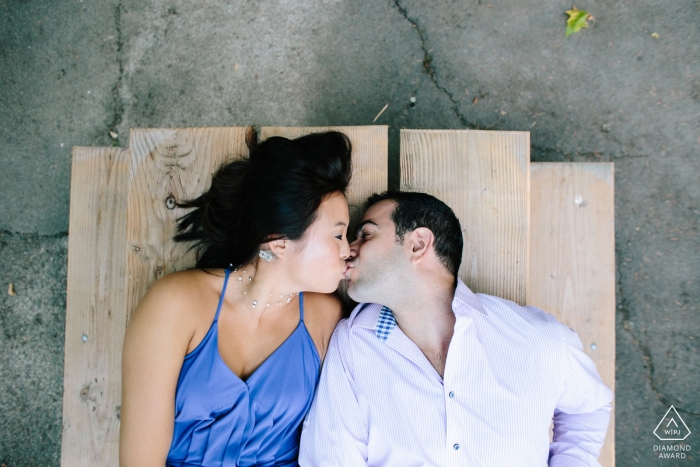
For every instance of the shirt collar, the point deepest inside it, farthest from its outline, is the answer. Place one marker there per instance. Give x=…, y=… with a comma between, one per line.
x=373, y=316
x=365, y=315
x=382, y=321
x=465, y=297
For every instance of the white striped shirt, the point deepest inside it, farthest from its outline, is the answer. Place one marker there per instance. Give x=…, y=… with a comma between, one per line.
x=509, y=371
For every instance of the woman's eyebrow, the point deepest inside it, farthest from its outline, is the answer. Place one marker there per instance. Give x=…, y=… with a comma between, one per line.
x=358, y=229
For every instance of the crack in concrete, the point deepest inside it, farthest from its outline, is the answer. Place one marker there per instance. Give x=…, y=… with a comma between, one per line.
x=118, y=102
x=595, y=156
x=646, y=353
x=628, y=156
x=429, y=68
x=549, y=151
x=33, y=234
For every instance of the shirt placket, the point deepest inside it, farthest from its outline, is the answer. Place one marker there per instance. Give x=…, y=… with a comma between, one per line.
x=409, y=350
x=455, y=391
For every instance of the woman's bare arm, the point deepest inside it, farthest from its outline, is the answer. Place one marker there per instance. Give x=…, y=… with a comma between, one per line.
x=155, y=346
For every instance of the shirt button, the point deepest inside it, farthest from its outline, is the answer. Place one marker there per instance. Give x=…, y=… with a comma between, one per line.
x=456, y=446
x=452, y=396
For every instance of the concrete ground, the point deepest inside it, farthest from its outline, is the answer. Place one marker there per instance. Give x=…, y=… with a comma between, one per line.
x=72, y=71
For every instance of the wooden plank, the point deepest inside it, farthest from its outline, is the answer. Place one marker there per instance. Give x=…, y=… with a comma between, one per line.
x=484, y=176
x=370, y=159
x=572, y=259
x=95, y=311
x=168, y=166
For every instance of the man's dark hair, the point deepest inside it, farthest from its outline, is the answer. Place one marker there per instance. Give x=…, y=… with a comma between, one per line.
x=415, y=210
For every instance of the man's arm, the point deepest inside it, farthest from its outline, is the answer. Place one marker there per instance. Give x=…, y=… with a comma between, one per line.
x=334, y=433
x=582, y=413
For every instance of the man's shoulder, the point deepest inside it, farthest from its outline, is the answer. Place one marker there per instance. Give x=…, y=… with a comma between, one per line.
x=526, y=319
x=500, y=311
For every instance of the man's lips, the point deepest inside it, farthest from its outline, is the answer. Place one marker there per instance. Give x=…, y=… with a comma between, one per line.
x=348, y=267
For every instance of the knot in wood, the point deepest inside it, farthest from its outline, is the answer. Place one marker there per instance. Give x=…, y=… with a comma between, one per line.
x=170, y=202
x=84, y=393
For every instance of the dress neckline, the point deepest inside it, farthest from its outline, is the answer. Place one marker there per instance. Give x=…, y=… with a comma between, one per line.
x=215, y=328
x=268, y=358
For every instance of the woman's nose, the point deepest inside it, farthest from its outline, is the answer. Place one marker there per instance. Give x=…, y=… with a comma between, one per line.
x=345, y=250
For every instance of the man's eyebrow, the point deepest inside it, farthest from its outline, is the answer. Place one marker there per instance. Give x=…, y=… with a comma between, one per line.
x=358, y=229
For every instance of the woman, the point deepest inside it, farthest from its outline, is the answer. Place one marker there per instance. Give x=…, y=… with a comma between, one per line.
x=220, y=363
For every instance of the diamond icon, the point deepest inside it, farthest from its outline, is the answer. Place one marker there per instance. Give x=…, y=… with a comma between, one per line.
x=672, y=427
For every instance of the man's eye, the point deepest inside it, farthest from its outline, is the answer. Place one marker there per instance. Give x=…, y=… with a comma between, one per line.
x=339, y=237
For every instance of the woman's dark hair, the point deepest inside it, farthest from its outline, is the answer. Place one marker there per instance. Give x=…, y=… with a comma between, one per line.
x=415, y=210
x=274, y=193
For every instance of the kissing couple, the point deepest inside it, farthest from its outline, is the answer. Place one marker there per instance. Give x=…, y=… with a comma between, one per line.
x=246, y=360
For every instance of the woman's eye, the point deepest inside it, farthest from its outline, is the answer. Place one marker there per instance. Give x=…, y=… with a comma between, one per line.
x=339, y=237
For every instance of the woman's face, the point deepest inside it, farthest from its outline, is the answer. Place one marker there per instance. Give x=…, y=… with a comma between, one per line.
x=317, y=261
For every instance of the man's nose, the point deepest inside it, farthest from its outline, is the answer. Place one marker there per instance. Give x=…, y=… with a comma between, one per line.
x=354, y=249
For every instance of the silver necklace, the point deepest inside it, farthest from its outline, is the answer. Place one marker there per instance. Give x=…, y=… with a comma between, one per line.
x=290, y=297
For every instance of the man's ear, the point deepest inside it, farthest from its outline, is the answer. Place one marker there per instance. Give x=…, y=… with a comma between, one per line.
x=419, y=242
x=277, y=247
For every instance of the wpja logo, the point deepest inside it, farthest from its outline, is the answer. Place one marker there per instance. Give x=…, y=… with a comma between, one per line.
x=672, y=428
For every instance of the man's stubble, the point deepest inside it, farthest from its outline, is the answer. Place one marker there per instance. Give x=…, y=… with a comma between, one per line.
x=378, y=279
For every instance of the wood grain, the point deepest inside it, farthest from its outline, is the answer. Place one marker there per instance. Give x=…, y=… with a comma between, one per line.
x=168, y=166
x=572, y=259
x=370, y=159
x=95, y=307
x=484, y=176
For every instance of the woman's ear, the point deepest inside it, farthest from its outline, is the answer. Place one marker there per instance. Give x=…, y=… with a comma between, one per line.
x=420, y=242
x=278, y=247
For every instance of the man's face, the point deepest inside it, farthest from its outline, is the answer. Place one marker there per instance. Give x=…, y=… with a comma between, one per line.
x=376, y=259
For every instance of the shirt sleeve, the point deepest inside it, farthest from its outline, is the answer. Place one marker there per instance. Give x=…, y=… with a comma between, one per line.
x=582, y=413
x=334, y=433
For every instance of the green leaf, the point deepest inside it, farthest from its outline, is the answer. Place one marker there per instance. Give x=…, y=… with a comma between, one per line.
x=578, y=19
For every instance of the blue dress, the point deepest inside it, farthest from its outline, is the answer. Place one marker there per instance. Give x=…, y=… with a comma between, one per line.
x=221, y=420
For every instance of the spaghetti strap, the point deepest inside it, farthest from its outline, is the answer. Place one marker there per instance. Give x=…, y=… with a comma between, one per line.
x=223, y=292
x=301, y=306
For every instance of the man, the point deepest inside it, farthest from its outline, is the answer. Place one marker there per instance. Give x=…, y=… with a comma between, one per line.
x=439, y=376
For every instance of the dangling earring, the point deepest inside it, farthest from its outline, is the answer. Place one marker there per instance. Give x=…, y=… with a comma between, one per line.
x=267, y=255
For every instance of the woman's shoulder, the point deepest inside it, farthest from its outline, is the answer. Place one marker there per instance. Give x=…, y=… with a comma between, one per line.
x=179, y=286
x=325, y=307
x=322, y=312
x=180, y=295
